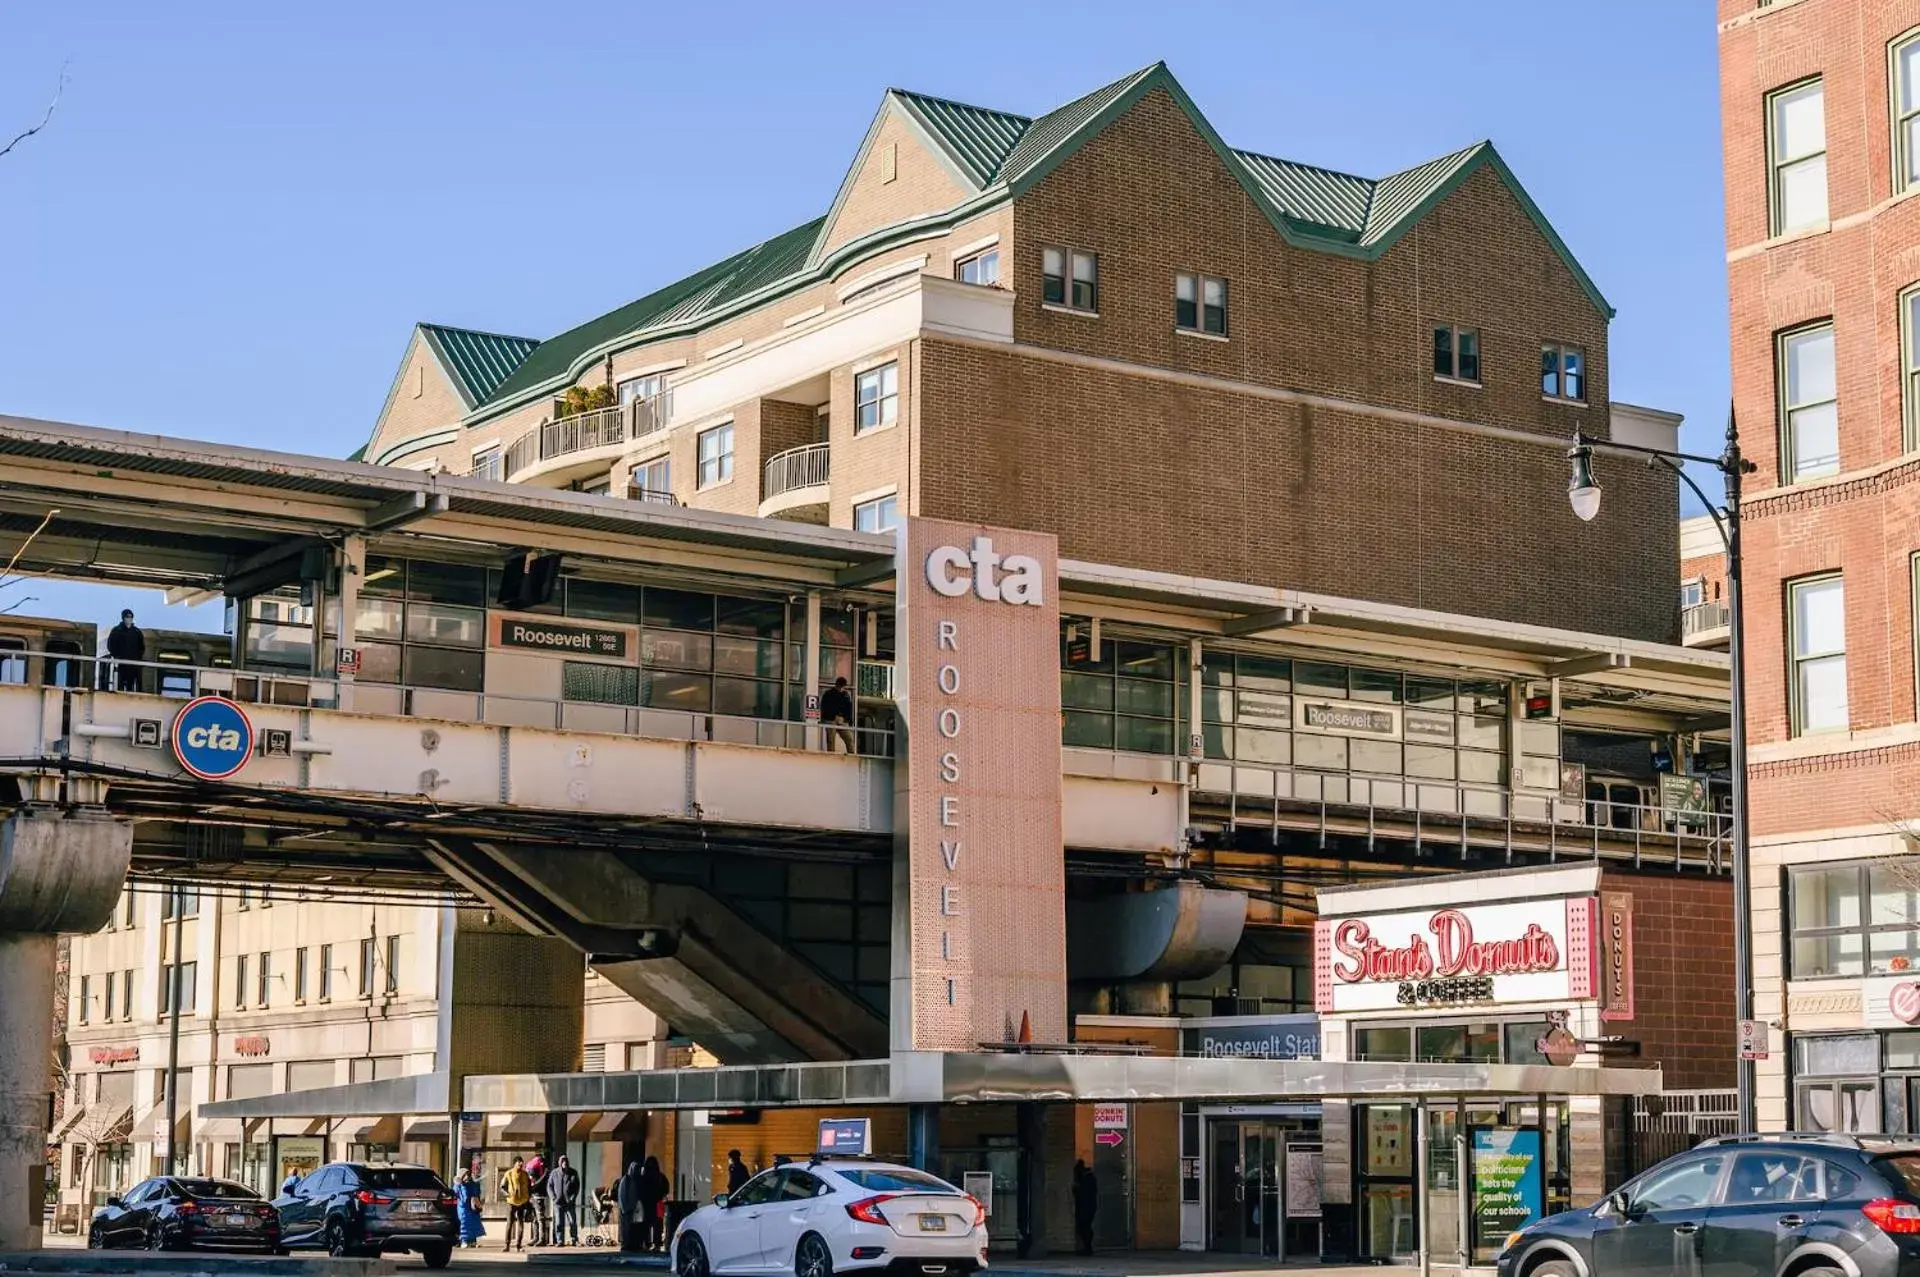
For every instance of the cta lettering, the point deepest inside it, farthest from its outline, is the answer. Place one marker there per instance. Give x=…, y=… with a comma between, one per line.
x=1454, y=952
x=213, y=736
x=1016, y=579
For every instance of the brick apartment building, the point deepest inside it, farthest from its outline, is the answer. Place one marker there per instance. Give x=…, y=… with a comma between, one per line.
x=1822, y=153
x=1108, y=324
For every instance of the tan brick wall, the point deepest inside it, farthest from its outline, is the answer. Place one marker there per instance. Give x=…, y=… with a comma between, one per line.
x=920, y=184
x=738, y=495
x=423, y=401
x=878, y=457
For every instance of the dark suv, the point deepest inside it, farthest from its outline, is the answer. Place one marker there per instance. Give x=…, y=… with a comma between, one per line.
x=352, y=1208
x=1753, y=1205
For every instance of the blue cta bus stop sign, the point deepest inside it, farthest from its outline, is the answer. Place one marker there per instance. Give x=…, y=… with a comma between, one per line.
x=212, y=737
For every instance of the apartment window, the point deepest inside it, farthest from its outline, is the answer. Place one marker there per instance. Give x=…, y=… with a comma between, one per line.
x=981, y=268
x=182, y=902
x=189, y=995
x=266, y=980
x=1853, y=920
x=1456, y=353
x=107, y=988
x=1910, y=367
x=486, y=464
x=300, y=975
x=716, y=455
x=1693, y=593
x=882, y=514
x=876, y=397
x=240, y=901
x=1817, y=617
x=1810, y=413
x=1070, y=277
x=648, y=387
x=1200, y=304
x=126, y=994
x=653, y=480
x=366, y=967
x=127, y=907
x=326, y=972
x=240, y=983
x=1904, y=77
x=86, y=1000
x=1563, y=373
x=393, y=964
x=1797, y=156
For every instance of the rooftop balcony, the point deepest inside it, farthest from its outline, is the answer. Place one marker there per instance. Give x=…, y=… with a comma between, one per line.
x=557, y=448
x=1707, y=624
x=795, y=484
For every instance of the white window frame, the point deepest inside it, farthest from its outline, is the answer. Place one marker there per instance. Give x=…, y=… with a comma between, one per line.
x=717, y=469
x=638, y=477
x=1910, y=369
x=1559, y=353
x=876, y=394
x=1800, y=658
x=1791, y=469
x=977, y=261
x=1057, y=261
x=1454, y=334
x=1778, y=164
x=649, y=385
x=891, y=499
x=486, y=463
x=1903, y=108
x=1693, y=591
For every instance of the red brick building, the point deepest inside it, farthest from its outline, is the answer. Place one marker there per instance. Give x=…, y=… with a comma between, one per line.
x=1822, y=153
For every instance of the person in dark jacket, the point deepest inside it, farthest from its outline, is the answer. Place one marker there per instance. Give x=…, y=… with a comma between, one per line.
x=836, y=712
x=627, y=1197
x=653, y=1191
x=126, y=643
x=737, y=1172
x=1086, y=1202
x=563, y=1190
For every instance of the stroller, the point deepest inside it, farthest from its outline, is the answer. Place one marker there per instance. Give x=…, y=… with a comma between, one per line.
x=601, y=1229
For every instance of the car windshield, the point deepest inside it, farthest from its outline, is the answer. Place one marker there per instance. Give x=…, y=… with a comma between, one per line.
x=1904, y=1168
x=895, y=1179
x=402, y=1177
x=218, y=1188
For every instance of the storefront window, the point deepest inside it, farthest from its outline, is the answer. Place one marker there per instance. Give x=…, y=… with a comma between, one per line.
x=1855, y=919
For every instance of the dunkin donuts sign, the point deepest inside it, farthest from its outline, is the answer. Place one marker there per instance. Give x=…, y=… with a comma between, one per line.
x=1477, y=954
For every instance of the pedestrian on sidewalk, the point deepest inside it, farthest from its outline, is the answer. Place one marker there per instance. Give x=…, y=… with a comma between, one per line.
x=542, y=1206
x=563, y=1190
x=653, y=1191
x=627, y=1197
x=1086, y=1203
x=737, y=1172
x=516, y=1189
x=466, y=1197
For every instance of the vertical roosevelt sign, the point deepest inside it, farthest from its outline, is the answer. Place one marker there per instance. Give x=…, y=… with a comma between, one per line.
x=979, y=899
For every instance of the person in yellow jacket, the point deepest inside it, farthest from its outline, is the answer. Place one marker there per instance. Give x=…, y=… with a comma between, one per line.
x=516, y=1188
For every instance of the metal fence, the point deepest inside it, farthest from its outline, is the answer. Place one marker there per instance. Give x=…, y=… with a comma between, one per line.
x=1674, y=1121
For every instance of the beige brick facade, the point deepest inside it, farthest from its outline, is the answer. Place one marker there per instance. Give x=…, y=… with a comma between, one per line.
x=898, y=179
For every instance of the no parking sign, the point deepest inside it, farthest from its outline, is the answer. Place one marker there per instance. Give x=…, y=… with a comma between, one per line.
x=212, y=737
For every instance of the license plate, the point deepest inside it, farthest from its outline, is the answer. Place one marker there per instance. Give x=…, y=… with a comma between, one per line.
x=419, y=1208
x=239, y=1221
x=933, y=1223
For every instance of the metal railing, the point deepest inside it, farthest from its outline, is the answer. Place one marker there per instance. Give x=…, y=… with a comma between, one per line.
x=796, y=468
x=295, y=690
x=1703, y=618
x=636, y=492
x=586, y=431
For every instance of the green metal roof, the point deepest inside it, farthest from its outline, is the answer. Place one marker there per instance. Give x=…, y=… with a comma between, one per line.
x=1003, y=155
x=478, y=362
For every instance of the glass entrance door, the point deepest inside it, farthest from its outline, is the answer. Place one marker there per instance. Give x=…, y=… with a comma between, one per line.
x=1247, y=1177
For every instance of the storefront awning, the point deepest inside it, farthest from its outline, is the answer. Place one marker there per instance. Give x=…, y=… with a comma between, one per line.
x=425, y=1128
x=364, y=1130
x=219, y=1130
x=518, y=1126
x=151, y=1126
x=616, y=1126
x=983, y=1078
x=416, y=1093
x=67, y=1123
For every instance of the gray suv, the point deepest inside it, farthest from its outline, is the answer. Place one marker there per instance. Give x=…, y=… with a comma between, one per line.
x=1789, y=1205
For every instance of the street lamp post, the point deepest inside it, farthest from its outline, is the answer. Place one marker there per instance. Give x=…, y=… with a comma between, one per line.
x=1583, y=493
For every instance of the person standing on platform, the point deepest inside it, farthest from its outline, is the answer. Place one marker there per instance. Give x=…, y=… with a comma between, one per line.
x=1086, y=1203
x=627, y=1197
x=653, y=1191
x=466, y=1197
x=126, y=643
x=836, y=712
x=542, y=1209
x=516, y=1186
x=563, y=1190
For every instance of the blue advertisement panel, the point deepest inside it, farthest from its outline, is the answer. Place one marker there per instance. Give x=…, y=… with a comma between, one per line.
x=1509, y=1184
x=846, y=1136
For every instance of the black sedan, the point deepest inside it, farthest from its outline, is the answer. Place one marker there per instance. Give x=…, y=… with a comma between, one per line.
x=170, y=1212
x=353, y=1208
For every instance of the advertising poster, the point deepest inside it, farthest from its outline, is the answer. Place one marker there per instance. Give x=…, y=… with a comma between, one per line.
x=298, y=1155
x=1509, y=1183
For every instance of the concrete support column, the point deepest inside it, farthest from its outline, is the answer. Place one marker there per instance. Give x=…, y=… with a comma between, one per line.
x=26, y=1061
x=1031, y=1122
x=810, y=675
x=923, y=1137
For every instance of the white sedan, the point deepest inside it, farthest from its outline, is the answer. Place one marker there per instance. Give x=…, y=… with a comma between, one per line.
x=825, y=1217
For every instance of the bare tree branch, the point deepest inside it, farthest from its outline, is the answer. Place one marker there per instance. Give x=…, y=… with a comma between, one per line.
x=46, y=118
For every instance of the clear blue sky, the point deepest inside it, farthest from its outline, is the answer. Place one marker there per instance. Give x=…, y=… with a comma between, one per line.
x=239, y=210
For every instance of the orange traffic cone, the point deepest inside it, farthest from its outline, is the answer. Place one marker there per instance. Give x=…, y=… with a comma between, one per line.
x=1026, y=1028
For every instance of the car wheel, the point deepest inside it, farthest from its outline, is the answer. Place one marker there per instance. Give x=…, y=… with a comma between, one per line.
x=811, y=1258
x=337, y=1239
x=437, y=1256
x=1554, y=1268
x=94, y=1240
x=156, y=1240
x=693, y=1257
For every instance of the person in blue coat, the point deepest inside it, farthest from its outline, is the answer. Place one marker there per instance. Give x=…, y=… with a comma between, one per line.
x=466, y=1196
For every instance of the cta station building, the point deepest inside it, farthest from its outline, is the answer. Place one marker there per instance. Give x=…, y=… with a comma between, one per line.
x=1254, y=787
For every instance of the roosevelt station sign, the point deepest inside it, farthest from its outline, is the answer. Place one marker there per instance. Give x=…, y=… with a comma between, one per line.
x=979, y=878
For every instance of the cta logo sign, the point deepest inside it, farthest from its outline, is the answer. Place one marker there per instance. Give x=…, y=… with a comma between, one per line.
x=952, y=571
x=212, y=737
